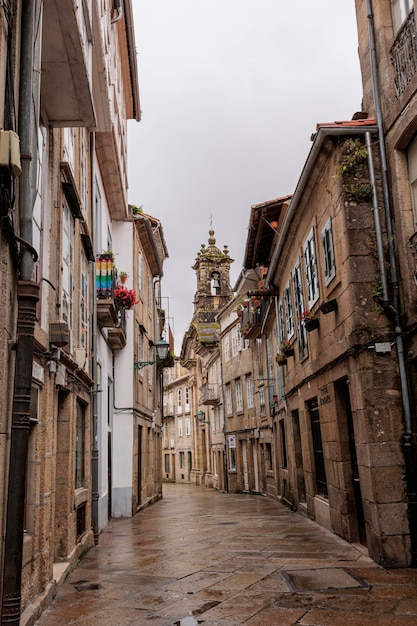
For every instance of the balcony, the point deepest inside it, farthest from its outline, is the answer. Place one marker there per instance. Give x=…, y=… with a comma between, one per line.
x=116, y=336
x=210, y=394
x=404, y=55
x=107, y=313
x=252, y=319
x=66, y=59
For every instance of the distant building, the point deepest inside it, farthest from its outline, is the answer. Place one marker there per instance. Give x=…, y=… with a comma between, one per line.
x=199, y=356
x=177, y=426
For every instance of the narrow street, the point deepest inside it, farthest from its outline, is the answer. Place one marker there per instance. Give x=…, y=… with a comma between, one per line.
x=200, y=556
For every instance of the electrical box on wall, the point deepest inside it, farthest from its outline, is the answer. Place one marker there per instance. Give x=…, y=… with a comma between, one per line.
x=10, y=151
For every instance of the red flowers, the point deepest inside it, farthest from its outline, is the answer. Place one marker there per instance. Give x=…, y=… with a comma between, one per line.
x=125, y=298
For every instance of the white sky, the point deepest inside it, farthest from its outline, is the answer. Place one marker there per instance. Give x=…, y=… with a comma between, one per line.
x=231, y=91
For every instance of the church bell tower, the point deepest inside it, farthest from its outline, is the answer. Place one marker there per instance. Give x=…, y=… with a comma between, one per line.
x=212, y=268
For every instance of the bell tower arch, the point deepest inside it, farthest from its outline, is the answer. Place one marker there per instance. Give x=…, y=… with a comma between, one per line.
x=212, y=268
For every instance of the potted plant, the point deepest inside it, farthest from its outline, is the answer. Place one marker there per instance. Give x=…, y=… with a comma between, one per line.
x=310, y=320
x=123, y=277
x=125, y=298
x=286, y=348
x=281, y=359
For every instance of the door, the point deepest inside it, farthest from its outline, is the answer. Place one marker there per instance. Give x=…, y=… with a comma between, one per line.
x=343, y=396
x=139, y=481
x=245, y=466
x=255, y=464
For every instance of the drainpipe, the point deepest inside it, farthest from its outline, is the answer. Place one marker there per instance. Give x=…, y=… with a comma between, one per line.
x=27, y=297
x=94, y=365
x=407, y=441
x=119, y=8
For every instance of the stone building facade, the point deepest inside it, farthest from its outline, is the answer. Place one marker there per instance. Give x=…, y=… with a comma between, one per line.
x=64, y=217
x=388, y=59
x=198, y=355
x=178, y=425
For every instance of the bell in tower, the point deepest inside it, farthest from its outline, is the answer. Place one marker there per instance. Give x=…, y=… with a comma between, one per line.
x=212, y=268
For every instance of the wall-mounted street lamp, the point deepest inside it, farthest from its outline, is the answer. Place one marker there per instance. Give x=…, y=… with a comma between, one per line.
x=200, y=417
x=162, y=349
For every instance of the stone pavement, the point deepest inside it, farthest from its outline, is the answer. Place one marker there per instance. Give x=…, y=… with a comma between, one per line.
x=200, y=556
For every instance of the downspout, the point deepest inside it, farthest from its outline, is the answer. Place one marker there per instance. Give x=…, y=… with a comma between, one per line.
x=407, y=440
x=119, y=8
x=225, y=440
x=94, y=365
x=27, y=298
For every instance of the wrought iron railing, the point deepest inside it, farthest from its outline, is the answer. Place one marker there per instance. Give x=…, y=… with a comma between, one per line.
x=404, y=55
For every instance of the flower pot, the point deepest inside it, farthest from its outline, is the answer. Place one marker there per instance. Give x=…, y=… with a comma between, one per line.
x=311, y=324
x=329, y=306
x=282, y=362
x=123, y=279
x=289, y=352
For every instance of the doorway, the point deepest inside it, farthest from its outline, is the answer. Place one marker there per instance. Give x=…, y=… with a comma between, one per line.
x=344, y=407
x=245, y=466
x=139, y=468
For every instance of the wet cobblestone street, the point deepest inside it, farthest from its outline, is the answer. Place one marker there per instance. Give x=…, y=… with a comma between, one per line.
x=200, y=556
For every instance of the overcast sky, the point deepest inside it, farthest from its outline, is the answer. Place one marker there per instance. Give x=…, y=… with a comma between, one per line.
x=230, y=91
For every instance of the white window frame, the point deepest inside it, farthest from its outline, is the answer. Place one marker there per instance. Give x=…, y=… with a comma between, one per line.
x=249, y=391
x=226, y=343
x=299, y=307
x=84, y=302
x=180, y=430
x=289, y=311
x=229, y=404
x=239, y=395
x=140, y=273
x=179, y=401
x=186, y=400
x=329, y=261
x=68, y=235
x=235, y=348
x=187, y=426
x=311, y=270
x=400, y=10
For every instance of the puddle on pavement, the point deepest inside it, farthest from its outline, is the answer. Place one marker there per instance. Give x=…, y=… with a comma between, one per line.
x=186, y=621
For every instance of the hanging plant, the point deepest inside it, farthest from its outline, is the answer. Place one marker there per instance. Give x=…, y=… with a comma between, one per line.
x=125, y=298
